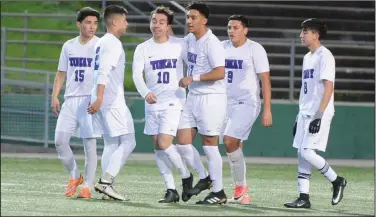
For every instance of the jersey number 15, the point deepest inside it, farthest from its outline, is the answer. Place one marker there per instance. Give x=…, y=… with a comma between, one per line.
x=79, y=75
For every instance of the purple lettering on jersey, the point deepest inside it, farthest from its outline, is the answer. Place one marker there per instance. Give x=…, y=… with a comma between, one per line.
x=163, y=64
x=80, y=61
x=192, y=57
x=308, y=73
x=233, y=64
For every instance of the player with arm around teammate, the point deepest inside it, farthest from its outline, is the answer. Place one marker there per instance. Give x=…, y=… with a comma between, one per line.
x=316, y=111
x=161, y=60
x=111, y=116
x=205, y=108
x=76, y=65
x=246, y=64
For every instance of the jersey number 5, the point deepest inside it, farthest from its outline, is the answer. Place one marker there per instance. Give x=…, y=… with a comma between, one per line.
x=230, y=75
x=79, y=75
x=163, y=77
x=305, y=88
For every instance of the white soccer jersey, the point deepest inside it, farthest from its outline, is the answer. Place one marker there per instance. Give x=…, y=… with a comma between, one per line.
x=204, y=55
x=109, y=70
x=317, y=66
x=76, y=60
x=242, y=66
x=163, y=68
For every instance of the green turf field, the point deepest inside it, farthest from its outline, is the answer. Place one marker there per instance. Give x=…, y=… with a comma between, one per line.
x=35, y=187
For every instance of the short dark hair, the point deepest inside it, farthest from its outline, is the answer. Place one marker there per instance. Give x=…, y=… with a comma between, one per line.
x=201, y=7
x=113, y=9
x=166, y=11
x=85, y=12
x=243, y=19
x=314, y=24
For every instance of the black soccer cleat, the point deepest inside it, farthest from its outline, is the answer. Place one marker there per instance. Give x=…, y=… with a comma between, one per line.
x=171, y=196
x=214, y=198
x=187, y=184
x=201, y=185
x=299, y=203
x=338, y=188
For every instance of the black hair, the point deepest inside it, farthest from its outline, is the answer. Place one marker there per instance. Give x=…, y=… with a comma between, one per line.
x=201, y=7
x=166, y=11
x=85, y=12
x=314, y=24
x=113, y=9
x=243, y=19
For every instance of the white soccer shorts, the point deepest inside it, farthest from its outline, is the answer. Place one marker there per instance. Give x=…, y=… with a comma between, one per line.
x=74, y=118
x=239, y=121
x=304, y=139
x=113, y=122
x=163, y=121
x=206, y=112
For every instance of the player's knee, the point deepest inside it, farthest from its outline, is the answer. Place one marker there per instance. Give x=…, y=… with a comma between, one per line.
x=61, y=139
x=307, y=153
x=210, y=140
x=231, y=144
x=184, y=137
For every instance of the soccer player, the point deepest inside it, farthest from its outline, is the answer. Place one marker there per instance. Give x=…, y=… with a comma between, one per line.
x=205, y=108
x=316, y=110
x=75, y=64
x=161, y=58
x=112, y=117
x=246, y=64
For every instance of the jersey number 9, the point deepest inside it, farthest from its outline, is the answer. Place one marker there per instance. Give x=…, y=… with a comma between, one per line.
x=305, y=88
x=96, y=62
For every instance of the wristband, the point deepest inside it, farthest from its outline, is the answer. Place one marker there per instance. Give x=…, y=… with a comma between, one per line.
x=196, y=77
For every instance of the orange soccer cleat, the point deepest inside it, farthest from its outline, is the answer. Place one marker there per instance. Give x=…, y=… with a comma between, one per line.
x=72, y=186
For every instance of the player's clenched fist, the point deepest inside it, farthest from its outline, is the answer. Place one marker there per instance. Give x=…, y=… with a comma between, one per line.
x=151, y=98
x=184, y=82
x=94, y=108
x=55, y=105
x=267, y=120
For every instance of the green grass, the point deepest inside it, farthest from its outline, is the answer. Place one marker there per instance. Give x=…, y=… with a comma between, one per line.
x=35, y=187
x=48, y=51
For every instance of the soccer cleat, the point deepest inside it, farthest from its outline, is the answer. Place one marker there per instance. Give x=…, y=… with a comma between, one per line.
x=105, y=197
x=187, y=184
x=241, y=195
x=299, y=203
x=201, y=185
x=338, y=189
x=107, y=189
x=84, y=193
x=72, y=186
x=171, y=196
x=214, y=198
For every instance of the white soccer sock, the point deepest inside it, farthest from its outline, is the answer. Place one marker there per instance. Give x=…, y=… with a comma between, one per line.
x=319, y=163
x=121, y=154
x=65, y=154
x=215, y=166
x=110, y=145
x=165, y=169
x=238, y=167
x=304, y=174
x=192, y=158
x=174, y=157
x=91, y=159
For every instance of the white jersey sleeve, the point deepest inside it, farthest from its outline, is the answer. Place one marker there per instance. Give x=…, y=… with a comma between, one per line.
x=327, y=67
x=216, y=54
x=260, y=58
x=138, y=67
x=63, y=60
x=111, y=52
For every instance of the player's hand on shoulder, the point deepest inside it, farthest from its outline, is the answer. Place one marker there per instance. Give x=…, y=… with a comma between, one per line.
x=267, y=119
x=55, y=105
x=151, y=98
x=94, y=108
x=184, y=82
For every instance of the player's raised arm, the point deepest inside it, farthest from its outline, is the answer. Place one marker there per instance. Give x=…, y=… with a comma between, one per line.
x=138, y=78
x=59, y=80
x=263, y=71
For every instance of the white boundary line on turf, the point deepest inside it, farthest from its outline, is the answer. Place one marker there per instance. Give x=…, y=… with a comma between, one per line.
x=359, y=163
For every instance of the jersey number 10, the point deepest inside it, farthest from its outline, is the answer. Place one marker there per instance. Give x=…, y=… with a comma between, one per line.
x=79, y=75
x=163, y=77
